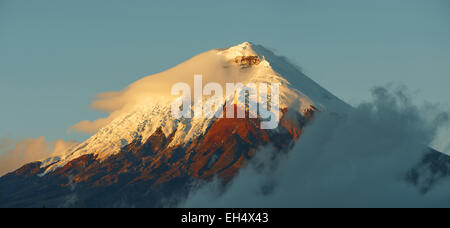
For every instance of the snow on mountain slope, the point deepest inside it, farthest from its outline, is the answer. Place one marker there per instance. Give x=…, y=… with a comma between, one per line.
x=148, y=101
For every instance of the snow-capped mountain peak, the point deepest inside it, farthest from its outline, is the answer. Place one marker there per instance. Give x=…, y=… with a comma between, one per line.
x=148, y=101
x=243, y=49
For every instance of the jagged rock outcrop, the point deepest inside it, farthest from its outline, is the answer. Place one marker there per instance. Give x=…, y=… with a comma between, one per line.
x=247, y=61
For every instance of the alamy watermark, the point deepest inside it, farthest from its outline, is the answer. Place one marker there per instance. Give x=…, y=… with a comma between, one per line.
x=255, y=100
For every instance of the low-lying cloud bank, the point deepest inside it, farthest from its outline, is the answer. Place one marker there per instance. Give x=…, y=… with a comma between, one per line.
x=14, y=154
x=357, y=160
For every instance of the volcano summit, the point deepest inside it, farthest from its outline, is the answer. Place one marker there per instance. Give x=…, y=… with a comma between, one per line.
x=142, y=156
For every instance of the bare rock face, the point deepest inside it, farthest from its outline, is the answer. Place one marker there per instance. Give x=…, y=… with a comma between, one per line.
x=247, y=61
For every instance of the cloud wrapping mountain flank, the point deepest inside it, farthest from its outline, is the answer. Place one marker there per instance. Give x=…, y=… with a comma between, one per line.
x=357, y=160
x=14, y=154
x=158, y=86
x=219, y=66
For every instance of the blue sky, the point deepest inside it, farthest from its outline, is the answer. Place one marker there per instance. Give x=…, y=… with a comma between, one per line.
x=55, y=55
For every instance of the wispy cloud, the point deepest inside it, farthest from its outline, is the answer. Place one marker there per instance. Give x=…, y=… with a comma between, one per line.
x=15, y=153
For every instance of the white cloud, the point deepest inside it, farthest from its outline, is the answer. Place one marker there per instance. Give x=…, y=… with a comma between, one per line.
x=359, y=160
